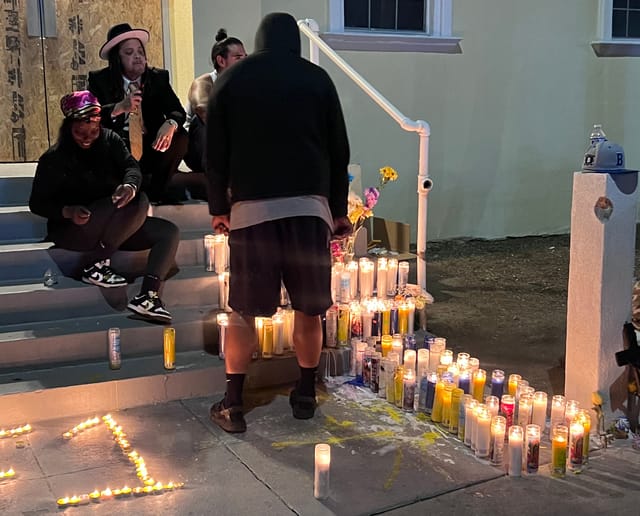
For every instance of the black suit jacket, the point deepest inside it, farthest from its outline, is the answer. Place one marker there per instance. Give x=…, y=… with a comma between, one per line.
x=159, y=101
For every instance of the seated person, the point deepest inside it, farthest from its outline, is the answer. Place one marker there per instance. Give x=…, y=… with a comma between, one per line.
x=87, y=186
x=224, y=53
x=128, y=89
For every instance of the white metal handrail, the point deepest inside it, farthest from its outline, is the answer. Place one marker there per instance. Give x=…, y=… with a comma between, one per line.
x=310, y=28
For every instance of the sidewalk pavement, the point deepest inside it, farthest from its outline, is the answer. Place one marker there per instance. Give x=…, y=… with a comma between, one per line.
x=383, y=461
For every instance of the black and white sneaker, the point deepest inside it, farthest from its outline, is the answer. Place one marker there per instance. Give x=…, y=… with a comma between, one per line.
x=150, y=306
x=101, y=274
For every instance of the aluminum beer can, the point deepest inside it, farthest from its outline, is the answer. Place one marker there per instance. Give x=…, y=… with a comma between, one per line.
x=169, y=337
x=114, y=348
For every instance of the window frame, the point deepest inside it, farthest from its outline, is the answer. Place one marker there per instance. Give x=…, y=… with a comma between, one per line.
x=606, y=45
x=437, y=39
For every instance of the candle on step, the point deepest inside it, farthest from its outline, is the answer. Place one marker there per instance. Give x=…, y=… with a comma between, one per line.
x=515, y=451
x=278, y=333
x=410, y=359
x=533, y=448
x=352, y=269
x=403, y=275
x=493, y=405
x=576, y=445
x=539, y=414
x=585, y=418
x=570, y=412
x=513, y=383
x=498, y=429
x=396, y=346
x=525, y=408
x=220, y=253
x=479, y=380
x=446, y=357
x=469, y=418
x=462, y=360
x=403, y=318
x=381, y=278
x=321, y=483
x=435, y=351
x=423, y=361
x=483, y=433
x=559, y=437
x=497, y=383
x=223, y=322
x=392, y=276
x=558, y=403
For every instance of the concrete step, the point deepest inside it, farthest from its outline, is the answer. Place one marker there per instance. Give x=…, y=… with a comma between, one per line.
x=15, y=183
x=80, y=339
x=21, y=262
x=74, y=390
x=35, y=302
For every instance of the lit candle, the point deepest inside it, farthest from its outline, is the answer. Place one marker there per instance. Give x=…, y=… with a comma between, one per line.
x=507, y=406
x=408, y=389
x=385, y=310
x=539, y=413
x=498, y=430
x=454, y=415
x=321, y=484
x=558, y=403
x=398, y=382
x=436, y=349
x=126, y=491
x=493, y=405
x=446, y=357
x=356, y=320
x=474, y=424
x=515, y=451
x=403, y=318
x=386, y=342
x=483, y=433
x=345, y=287
x=446, y=403
x=336, y=273
x=278, y=336
x=410, y=359
x=343, y=325
x=462, y=360
x=411, y=316
x=367, y=320
x=381, y=278
x=570, y=411
x=585, y=418
x=576, y=445
x=138, y=491
x=360, y=349
x=223, y=322
x=220, y=253
x=479, y=380
x=106, y=494
x=392, y=276
x=513, y=383
x=403, y=275
x=94, y=496
x=366, y=278
x=396, y=345
x=525, y=408
x=469, y=419
x=352, y=269
x=436, y=411
x=462, y=416
x=497, y=383
x=474, y=364
x=423, y=361
x=63, y=502
x=533, y=448
x=464, y=380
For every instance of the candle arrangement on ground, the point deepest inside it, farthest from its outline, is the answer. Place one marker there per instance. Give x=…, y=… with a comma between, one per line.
x=149, y=484
x=15, y=432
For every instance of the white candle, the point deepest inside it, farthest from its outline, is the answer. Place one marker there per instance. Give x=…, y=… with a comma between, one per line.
x=392, y=276
x=345, y=287
x=223, y=321
x=462, y=360
x=525, y=408
x=469, y=420
x=474, y=364
x=435, y=350
x=396, y=345
x=515, y=451
x=367, y=320
x=423, y=361
x=483, y=433
x=570, y=411
x=220, y=252
x=539, y=414
x=558, y=403
x=474, y=424
x=366, y=278
x=223, y=291
x=410, y=359
x=498, y=429
x=403, y=275
x=493, y=405
x=321, y=485
x=381, y=278
x=446, y=357
x=352, y=268
x=336, y=273
x=278, y=333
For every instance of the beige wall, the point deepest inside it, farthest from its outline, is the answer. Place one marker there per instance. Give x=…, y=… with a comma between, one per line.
x=510, y=116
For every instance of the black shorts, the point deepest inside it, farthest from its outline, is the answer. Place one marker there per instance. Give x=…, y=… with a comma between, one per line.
x=293, y=250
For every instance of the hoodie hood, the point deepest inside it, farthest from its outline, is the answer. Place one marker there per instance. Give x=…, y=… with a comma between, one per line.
x=278, y=32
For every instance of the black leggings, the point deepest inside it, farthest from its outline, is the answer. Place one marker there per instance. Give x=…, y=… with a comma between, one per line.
x=127, y=228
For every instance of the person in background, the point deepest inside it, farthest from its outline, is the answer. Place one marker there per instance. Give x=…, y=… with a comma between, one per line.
x=224, y=53
x=87, y=187
x=277, y=141
x=129, y=86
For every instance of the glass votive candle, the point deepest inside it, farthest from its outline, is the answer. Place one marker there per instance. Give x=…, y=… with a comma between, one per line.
x=515, y=450
x=423, y=361
x=570, y=411
x=474, y=426
x=525, y=408
x=479, y=381
x=446, y=357
x=462, y=416
x=483, y=433
x=533, y=448
x=469, y=420
x=474, y=364
x=493, y=405
x=321, y=474
x=408, y=389
x=558, y=403
x=464, y=380
x=498, y=430
x=576, y=445
x=513, y=383
x=585, y=418
x=462, y=360
x=497, y=383
x=539, y=414
x=507, y=407
x=410, y=359
x=559, y=438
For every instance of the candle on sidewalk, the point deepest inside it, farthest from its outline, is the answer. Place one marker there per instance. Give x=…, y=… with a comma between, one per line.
x=576, y=445
x=559, y=437
x=515, y=451
x=539, y=414
x=533, y=448
x=558, y=403
x=497, y=383
x=483, y=433
x=498, y=429
x=479, y=380
x=321, y=483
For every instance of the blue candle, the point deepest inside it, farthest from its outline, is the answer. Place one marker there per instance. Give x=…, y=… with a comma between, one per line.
x=432, y=379
x=464, y=381
x=428, y=340
x=497, y=383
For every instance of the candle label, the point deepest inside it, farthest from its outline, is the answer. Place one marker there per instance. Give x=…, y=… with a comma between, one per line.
x=533, y=455
x=496, y=452
x=375, y=373
x=576, y=451
x=559, y=458
x=408, y=395
x=343, y=325
x=331, y=327
x=356, y=326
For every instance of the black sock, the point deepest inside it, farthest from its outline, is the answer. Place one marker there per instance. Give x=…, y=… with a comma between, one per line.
x=233, y=396
x=150, y=283
x=307, y=383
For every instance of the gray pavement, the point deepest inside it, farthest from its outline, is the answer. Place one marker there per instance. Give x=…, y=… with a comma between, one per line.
x=383, y=461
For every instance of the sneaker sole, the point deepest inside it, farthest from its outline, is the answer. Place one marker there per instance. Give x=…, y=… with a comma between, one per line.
x=89, y=281
x=144, y=313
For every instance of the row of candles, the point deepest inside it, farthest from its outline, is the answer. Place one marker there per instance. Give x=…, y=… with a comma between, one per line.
x=149, y=485
x=359, y=279
x=453, y=394
x=13, y=432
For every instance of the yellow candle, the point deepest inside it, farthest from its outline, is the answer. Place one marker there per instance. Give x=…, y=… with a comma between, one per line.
x=267, y=339
x=403, y=319
x=436, y=412
x=398, y=381
x=513, y=383
x=585, y=418
x=386, y=344
x=559, y=438
x=479, y=379
x=454, y=415
x=386, y=320
x=446, y=403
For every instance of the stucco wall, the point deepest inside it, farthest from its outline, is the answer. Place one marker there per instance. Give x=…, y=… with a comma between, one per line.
x=510, y=116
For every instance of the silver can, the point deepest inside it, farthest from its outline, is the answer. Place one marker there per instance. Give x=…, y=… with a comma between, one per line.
x=209, y=255
x=114, y=348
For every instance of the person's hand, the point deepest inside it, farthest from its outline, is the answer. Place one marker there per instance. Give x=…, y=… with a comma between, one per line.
x=164, y=137
x=342, y=228
x=220, y=224
x=123, y=195
x=79, y=215
x=130, y=102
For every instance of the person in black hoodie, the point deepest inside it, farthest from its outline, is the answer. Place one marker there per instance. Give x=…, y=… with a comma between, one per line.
x=86, y=185
x=277, y=162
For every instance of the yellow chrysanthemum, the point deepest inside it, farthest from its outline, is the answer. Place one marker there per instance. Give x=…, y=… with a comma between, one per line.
x=388, y=174
x=355, y=214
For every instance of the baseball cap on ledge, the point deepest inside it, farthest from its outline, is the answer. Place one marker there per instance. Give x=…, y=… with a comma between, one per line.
x=607, y=157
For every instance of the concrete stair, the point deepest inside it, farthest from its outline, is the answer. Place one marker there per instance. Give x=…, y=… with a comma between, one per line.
x=53, y=340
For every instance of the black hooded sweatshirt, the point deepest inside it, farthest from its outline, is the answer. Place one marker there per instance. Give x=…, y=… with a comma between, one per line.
x=275, y=126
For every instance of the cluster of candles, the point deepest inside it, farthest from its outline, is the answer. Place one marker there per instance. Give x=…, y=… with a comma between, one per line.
x=428, y=380
x=150, y=486
x=15, y=432
x=10, y=473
